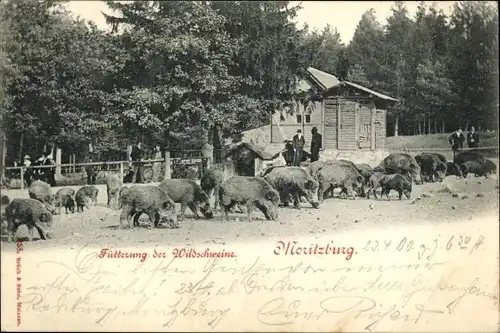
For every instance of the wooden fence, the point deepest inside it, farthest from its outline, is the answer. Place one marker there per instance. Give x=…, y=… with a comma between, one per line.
x=187, y=158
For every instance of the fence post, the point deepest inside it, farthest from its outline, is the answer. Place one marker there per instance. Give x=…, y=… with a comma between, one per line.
x=58, y=162
x=22, y=178
x=121, y=171
x=167, y=165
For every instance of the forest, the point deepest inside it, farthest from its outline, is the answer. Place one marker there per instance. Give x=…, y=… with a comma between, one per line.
x=169, y=68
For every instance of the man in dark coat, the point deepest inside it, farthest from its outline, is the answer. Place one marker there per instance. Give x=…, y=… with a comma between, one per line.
x=289, y=153
x=472, y=138
x=136, y=158
x=298, y=142
x=316, y=144
x=456, y=140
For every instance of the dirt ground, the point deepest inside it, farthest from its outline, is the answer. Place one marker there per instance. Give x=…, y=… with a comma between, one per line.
x=453, y=199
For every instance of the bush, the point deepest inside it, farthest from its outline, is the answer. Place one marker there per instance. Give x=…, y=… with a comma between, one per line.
x=184, y=171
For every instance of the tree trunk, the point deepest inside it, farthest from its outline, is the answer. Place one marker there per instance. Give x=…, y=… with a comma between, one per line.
x=429, y=125
x=396, y=125
x=442, y=126
x=4, y=153
x=419, y=129
x=424, y=125
x=435, y=125
x=21, y=144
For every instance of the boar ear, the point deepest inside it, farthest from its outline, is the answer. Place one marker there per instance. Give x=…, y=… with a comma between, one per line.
x=270, y=195
x=361, y=179
x=167, y=205
x=44, y=217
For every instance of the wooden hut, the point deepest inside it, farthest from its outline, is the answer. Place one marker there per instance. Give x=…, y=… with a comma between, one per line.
x=354, y=117
x=350, y=117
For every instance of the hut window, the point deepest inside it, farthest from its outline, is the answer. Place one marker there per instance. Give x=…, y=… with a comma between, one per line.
x=299, y=119
x=308, y=118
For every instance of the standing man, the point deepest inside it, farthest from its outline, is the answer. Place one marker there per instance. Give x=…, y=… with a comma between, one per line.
x=456, y=140
x=316, y=144
x=156, y=165
x=90, y=170
x=136, y=158
x=298, y=146
x=472, y=138
x=207, y=155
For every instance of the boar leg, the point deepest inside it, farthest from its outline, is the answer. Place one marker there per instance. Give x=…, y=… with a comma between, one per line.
x=374, y=190
x=250, y=206
x=153, y=218
x=227, y=208
x=296, y=200
x=216, y=195
x=183, y=210
x=321, y=192
x=136, y=218
x=43, y=234
x=32, y=233
x=126, y=211
x=192, y=206
x=386, y=191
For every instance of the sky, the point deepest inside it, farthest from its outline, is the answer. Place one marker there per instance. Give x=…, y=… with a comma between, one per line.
x=342, y=15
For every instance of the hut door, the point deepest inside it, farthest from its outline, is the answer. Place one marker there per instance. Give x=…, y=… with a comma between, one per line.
x=365, y=125
x=347, y=124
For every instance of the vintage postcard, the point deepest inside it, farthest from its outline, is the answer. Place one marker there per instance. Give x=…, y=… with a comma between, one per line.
x=235, y=166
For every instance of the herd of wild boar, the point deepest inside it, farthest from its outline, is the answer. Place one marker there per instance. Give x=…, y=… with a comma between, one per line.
x=274, y=186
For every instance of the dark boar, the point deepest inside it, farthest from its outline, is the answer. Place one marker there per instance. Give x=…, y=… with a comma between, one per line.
x=401, y=183
x=33, y=214
x=344, y=176
x=431, y=167
x=65, y=198
x=4, y=203
x=42, y=192
x=376, y=180
x=453, y=169
x=188, y=194
x=151, y=200
x=5, y=200
x=252, y=192
x=467, y=156
x=399, y=163
x=113, y=188
x=365, y=170
x=478, y=169
x=294, y=181
x=489, y=167
x=211, y=182
x=85, y=196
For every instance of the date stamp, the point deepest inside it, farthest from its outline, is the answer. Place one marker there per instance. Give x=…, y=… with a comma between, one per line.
x=19, y=250
x=183, y=252
x=427, y=249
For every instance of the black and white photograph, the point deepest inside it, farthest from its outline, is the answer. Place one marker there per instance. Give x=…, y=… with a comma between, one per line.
x=246, y=166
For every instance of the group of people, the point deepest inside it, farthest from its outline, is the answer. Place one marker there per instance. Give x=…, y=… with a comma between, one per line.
x=294, y=153
x=457, y=139
x=45, y=174
x=135, y=159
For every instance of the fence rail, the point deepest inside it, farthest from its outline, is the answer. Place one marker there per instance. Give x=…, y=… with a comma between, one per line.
x=409, y=149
